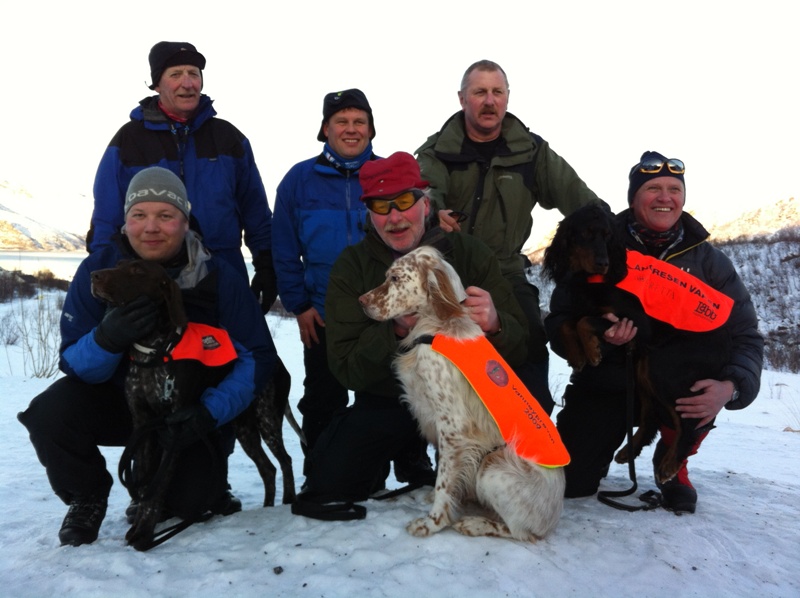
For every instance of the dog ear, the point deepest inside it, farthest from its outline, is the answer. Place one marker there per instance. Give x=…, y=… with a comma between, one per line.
x=174, y=302
x=445, y=290
x=556, y=255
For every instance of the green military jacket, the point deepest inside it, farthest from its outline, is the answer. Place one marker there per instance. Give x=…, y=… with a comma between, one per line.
x=498, y=196
x=361, y=350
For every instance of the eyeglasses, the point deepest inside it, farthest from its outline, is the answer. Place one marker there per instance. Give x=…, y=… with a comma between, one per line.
x=654, y=165
x=401, y=203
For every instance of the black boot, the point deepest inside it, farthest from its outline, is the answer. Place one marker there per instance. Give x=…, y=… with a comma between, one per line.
x=82, y=523
x=414, y=466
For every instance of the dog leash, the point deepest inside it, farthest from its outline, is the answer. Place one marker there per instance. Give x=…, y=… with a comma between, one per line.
x=651, y=498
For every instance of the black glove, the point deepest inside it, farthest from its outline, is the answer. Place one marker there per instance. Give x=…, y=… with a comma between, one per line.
x=264, y=283
x=186, y=426
x=124, y=325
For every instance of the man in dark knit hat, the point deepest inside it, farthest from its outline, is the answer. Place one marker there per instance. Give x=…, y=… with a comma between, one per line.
x=317, y=214
x=592, y=423
x=178, y=130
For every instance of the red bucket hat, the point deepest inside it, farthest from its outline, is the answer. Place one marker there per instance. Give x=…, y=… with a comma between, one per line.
x=389, y=177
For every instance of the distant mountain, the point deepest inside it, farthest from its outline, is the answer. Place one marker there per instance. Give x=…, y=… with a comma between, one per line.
x=20, y=233
x=761, y=222
x=29, y=223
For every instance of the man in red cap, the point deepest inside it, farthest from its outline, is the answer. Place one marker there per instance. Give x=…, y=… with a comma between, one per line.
x=177, y=129
x=351, y=458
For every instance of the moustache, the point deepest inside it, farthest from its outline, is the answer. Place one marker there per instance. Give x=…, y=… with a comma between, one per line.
x=390, y=228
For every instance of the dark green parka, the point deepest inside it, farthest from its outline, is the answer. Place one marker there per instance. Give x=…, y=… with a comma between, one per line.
x=361, y=350
x=499, y=195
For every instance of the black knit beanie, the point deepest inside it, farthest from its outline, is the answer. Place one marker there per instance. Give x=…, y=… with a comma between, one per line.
x=638, y=178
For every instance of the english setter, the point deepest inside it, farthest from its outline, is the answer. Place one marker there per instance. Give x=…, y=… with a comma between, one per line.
x=517, y=498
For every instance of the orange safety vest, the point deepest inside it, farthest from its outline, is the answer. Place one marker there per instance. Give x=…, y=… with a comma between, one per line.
x=674, y=296
x=207, y=344
x=521, y=420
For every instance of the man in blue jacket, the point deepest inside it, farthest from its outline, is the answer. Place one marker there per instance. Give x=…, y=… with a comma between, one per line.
x=178, y=130
x=87, y=408
x=318, y=212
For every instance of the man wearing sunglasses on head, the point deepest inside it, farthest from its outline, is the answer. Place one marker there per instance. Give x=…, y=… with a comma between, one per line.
x=592, y=423
x=486, y=165
x=352, y=455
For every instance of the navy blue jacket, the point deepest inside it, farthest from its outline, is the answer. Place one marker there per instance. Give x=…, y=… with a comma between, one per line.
x=318, y=212
x=214, y=160
x=222, y=299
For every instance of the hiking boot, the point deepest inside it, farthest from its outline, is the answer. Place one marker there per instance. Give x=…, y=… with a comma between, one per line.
x=677, y=496
x=227, y=505
x=415, y=468
x=82, y=522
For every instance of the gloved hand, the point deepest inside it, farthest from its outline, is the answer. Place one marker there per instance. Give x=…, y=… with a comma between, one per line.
x=125, y=324
x=264, y=283
x=186, y=426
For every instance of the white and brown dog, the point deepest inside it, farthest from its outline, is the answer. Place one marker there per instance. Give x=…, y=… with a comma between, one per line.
x=520, y=498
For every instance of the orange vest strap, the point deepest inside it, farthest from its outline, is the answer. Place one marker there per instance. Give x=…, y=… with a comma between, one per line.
x=207, y=344
x=521, y=420
x=673, y=296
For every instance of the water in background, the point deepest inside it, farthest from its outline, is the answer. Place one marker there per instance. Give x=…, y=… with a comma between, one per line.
x=61, y=263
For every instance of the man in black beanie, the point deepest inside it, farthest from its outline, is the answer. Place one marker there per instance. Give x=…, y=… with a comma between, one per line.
x=177, y=129
x=592, y=422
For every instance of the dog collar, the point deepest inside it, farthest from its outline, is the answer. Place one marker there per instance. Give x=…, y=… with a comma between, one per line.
x=153, y=351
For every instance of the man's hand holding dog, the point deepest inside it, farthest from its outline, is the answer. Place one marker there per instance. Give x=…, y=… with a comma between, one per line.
x=482, y=310
x=705, y=406
x=620, y=332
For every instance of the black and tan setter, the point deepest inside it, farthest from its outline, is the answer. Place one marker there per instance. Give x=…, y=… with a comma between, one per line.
x=667, y=361
x=148, y=379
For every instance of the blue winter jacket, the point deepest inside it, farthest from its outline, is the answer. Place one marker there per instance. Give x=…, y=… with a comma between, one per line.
x=318, y=212
x=214, y=160
x=221, y=299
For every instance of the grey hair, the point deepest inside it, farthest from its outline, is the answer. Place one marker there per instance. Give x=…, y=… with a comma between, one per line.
x=481, y=65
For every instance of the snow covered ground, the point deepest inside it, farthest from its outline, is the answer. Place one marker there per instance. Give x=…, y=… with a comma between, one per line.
x=744, y=539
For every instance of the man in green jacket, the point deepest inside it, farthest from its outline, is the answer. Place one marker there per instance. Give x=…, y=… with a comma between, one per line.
x=351, y=458
x=488, y=167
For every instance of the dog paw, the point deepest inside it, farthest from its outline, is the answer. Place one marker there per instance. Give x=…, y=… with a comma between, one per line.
x=665, y=474
x=622, y=455
x=423, y=527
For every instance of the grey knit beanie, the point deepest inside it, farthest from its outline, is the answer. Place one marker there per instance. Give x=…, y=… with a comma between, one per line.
x=157, y=184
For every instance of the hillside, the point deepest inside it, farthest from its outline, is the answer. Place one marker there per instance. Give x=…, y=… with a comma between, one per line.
x=20, y=232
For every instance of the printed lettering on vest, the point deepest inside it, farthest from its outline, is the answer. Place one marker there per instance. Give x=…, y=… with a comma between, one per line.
x=521, y=420
x=673, y=296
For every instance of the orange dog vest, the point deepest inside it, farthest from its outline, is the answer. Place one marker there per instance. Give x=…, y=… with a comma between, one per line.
x=209, y=345
x=671, y=295
x=520, y=418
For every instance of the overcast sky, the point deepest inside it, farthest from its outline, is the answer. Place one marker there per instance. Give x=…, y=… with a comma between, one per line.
x=711, y=82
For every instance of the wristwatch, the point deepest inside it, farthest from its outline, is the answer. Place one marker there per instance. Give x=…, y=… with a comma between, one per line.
x=735, y=394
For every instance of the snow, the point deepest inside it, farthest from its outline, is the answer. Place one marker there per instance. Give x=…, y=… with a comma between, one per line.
x=743, y=540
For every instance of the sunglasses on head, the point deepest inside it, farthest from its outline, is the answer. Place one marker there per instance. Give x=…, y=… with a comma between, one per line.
x=401, y=203
x=654, y=165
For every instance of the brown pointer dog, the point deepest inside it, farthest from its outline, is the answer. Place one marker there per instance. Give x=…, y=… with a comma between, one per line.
x=149, y=376
x=668, y=361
